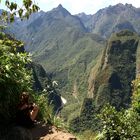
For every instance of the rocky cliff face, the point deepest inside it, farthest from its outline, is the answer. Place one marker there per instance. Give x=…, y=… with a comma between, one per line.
x=42, y=81
x=117, y=70
x=112, y=19
x=110, y=79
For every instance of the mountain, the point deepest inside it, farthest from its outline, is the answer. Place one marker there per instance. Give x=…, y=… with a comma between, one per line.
x=85, y=19
x=118, y=69
x=46, y=27
x=70, y=48
x=42, y=81
x=111, y=78
x=112, y=19
x=60, y=42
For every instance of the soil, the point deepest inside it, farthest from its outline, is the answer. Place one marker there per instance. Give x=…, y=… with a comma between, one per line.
x=47, y=132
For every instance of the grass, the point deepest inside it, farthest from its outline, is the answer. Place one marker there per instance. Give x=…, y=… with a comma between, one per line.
x=87, y=135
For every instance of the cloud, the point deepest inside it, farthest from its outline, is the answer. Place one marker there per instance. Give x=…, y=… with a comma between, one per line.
x=87, y=6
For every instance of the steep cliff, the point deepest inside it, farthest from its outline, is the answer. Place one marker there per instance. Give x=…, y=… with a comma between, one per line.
x=117, y=70
x=110, y=79
x=42, y=81
x=62, y=45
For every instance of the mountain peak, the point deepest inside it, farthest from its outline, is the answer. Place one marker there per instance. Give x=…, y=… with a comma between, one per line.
x=123, y=6
x=117, y=9
x=129, y=5
x=60, y=6
x=119, y=4
x=60, y=10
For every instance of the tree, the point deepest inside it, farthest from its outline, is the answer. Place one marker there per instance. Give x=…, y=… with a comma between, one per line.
x=28, y=7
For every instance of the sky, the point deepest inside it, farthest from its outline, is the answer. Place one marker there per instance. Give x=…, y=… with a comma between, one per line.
x=87, y=6
x=78, y=6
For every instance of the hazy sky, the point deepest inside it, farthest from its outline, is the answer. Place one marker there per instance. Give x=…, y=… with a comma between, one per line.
x=87, y=6
x=78, y=6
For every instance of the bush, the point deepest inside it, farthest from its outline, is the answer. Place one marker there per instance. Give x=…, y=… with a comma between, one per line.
x=124, y=124
x=136, y=95
x=45, y=109
x=14, y=77
x=121, y=125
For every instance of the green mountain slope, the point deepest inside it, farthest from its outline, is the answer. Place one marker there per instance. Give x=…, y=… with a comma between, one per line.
x=118, y=70
x=44, y=28
x=90, y=71
x=112, y=78
x=61, y=44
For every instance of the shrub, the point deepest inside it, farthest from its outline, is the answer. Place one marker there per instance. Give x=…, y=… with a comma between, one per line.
x=45, y=109
x=121, y=125
x=124, y=124
x=14, y=77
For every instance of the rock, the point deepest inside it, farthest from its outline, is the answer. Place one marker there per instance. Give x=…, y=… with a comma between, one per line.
x=46, y=132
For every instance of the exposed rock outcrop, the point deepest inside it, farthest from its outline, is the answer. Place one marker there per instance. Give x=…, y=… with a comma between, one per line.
x=117, y=70
x=112, y=77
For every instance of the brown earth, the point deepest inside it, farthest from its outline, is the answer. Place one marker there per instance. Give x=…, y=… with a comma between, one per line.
x=46, y=132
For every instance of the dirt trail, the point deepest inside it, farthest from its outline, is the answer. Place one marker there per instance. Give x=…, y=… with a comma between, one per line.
x=45, y=132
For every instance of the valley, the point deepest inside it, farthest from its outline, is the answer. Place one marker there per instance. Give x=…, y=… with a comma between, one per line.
x=92, y=63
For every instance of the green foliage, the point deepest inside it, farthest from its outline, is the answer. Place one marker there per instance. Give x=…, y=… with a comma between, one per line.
x=45, y=109
x=113, y=81
x=23, y=11
x=121, y=125
x=87, y=120
x=59, y=123
x=124, y=124
x=136, y=95
x=87, y=135
x=14, y=77
x=71, y=111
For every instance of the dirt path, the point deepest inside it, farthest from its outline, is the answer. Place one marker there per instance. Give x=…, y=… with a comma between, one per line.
x=45, y=132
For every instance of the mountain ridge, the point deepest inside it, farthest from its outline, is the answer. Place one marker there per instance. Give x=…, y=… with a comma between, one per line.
x=111, y=79
x=104, y=21
x=68, y=48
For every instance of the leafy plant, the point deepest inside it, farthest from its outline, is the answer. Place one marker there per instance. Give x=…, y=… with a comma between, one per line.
x=59, y=123
x=24, y=11
x=136, y=95
x=15, y=77
x=124, y=124
x=45, y=109
x=87, y=135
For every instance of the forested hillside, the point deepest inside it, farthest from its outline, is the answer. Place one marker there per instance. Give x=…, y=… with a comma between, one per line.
x=61, y=44
x=112, y=82
x=93, y=58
